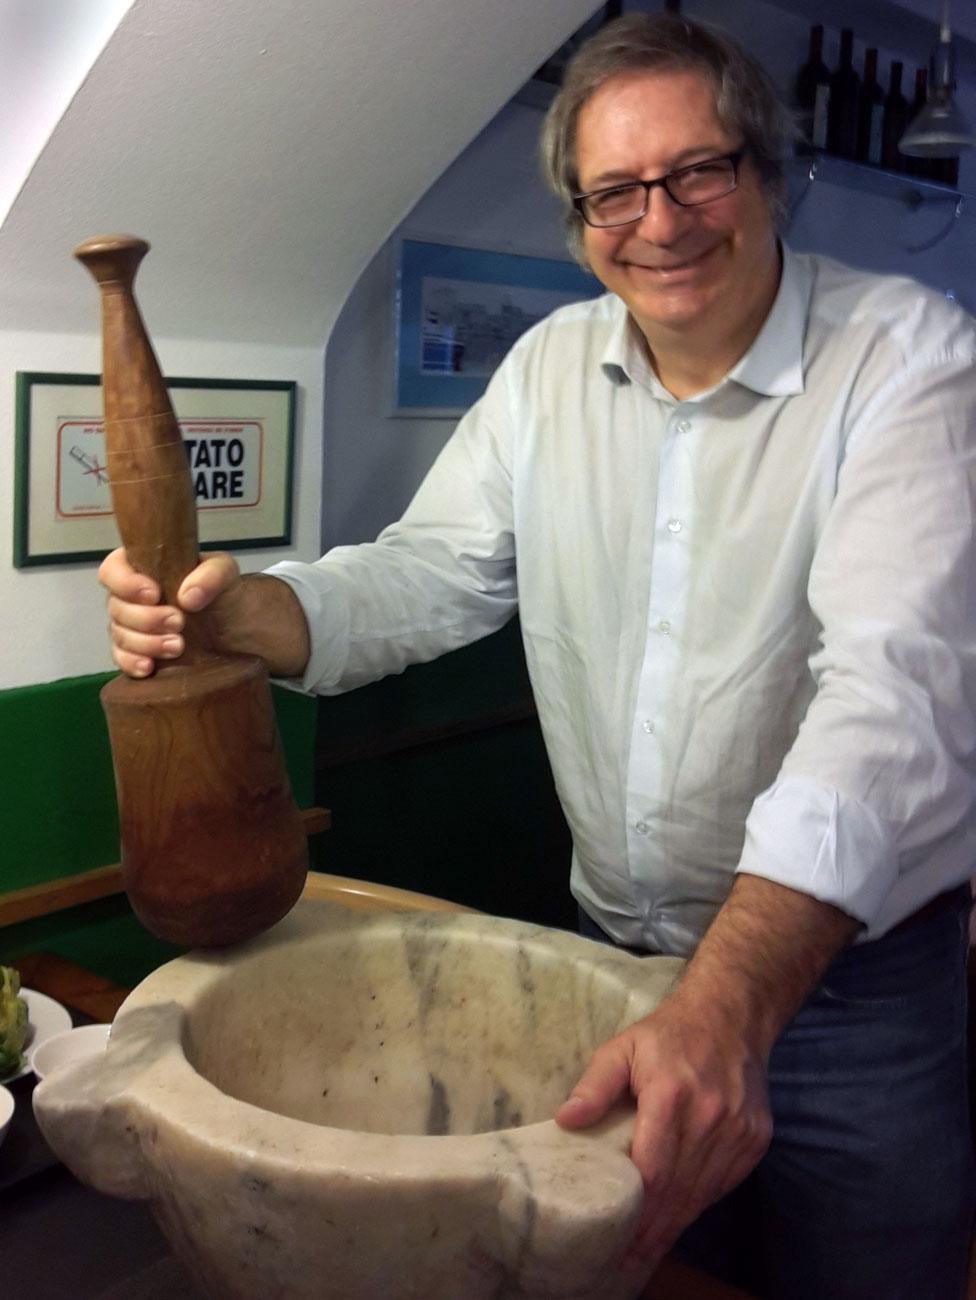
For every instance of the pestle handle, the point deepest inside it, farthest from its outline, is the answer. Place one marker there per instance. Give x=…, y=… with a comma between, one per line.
x=152, y=491
x=213, y=847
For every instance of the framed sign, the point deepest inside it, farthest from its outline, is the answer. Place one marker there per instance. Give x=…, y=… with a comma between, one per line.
x=459, y=310
x=239, y=439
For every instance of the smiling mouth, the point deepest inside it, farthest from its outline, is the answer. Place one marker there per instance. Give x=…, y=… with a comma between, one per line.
x=688, y=264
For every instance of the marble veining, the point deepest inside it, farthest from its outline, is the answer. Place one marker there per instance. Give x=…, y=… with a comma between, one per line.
x=358, y=1106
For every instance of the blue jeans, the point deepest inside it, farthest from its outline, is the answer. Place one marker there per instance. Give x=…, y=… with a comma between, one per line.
x=867, y=1191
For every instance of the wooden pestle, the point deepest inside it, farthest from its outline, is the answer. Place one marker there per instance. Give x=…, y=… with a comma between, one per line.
x=213, y=846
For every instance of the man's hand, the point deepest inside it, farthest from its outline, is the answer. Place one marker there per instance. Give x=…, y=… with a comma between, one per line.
x=141, y=629
x=256, y=615
x=696, y=1066
x=703, y=1119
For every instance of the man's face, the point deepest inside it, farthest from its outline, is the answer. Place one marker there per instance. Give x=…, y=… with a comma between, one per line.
x=676, y=267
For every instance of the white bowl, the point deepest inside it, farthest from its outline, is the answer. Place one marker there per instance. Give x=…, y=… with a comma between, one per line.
x=72, y=1045
x=6, y=1110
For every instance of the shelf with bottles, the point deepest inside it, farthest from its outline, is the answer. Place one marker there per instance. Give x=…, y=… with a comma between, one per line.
x=852, y=129
x=849, y=116
x=914, y=191
x=814, y=165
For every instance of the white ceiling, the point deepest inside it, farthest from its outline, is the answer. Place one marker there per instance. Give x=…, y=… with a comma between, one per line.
x=47, y=48
x=265, y=149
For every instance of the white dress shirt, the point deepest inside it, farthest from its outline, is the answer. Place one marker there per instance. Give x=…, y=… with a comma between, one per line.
x=749, y=617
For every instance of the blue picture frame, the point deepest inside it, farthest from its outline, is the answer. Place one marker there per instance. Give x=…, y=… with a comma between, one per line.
x=458, y=310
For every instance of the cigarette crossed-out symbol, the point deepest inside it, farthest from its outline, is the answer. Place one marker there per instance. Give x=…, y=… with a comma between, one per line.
x=90, y=464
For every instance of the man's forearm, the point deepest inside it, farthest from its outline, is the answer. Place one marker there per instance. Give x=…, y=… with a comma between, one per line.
x=261, y=615
x=762, y=955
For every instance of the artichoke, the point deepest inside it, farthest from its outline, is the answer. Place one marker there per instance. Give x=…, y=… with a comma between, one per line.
x=13, y=1022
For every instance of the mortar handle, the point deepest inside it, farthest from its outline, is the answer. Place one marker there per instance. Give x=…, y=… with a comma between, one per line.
x=93, y=1111
x=149, y=474
x=573, y=1222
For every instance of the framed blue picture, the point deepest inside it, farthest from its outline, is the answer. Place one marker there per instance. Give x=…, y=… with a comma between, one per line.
x=459, y=310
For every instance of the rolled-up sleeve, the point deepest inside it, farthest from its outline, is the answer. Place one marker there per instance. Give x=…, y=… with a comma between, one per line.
x=441, y=577
x=882, y=769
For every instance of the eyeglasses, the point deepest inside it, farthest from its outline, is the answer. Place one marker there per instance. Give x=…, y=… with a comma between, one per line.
x=687, y=186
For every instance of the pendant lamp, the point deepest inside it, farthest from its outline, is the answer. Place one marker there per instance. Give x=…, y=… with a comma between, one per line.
x=940, y=129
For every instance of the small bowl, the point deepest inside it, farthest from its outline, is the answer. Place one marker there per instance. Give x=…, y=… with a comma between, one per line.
x=6, y=1110
x=72, y=1045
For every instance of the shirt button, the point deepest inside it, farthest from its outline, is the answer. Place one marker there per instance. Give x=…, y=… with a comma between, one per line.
x=674, y=525
x=648, y=726
x=641, y=828
x=664, y=627
x=684, y=426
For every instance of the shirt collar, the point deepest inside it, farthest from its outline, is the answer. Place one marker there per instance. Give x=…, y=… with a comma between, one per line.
x=773, y=364
x=624, y=358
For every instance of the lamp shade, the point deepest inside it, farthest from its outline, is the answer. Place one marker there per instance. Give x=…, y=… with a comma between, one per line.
x=939, y=129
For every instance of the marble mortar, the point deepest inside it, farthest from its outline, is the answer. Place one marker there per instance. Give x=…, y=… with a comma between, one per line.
x=357, y=1106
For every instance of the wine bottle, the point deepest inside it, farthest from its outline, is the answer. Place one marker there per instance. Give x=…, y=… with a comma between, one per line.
x=870, y=113
x=947, y=171
x=895, y=122
x=922, y=167
x=813, y=92
x=845, y=85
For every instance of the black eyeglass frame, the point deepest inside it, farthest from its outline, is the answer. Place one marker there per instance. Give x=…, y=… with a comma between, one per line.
x=735, y=158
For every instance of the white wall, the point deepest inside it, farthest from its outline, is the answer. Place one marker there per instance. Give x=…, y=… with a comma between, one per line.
x=265, y=150
x=54, y=617
x=490, y=197
x=493, y=197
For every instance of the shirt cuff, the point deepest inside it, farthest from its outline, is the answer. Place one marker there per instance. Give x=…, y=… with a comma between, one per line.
x=327, y=615
x=811, y=838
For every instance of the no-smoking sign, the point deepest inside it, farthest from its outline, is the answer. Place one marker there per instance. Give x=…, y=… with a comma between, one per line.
x=225, y=459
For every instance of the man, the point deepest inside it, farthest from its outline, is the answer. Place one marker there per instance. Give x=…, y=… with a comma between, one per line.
x=740, y=492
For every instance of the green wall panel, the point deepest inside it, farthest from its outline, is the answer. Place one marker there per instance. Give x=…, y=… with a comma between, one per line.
x=58, y=813
x=474, y=819
x=437, y=780
x=470, y=814
x=104, y=937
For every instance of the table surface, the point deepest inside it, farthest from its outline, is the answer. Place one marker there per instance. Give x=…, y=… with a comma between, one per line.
x=64, y=1241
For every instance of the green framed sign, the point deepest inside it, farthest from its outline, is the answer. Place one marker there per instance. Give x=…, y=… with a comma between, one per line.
x=239, y=436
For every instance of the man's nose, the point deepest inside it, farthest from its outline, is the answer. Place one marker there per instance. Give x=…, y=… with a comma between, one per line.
x=664, y=221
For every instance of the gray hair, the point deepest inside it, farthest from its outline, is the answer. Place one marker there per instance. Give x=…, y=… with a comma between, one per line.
x=746, y=100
